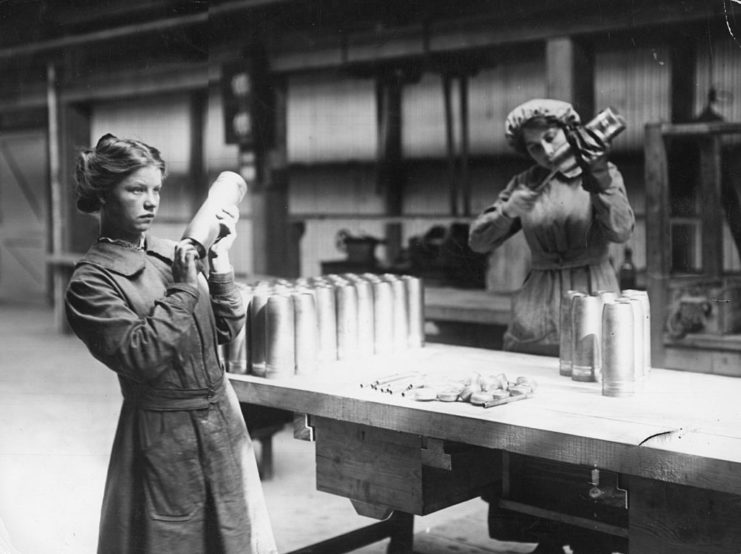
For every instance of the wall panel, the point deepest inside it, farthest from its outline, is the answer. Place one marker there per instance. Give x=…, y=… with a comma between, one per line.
x=331, y=118
x=636, y=83
x=160, y=121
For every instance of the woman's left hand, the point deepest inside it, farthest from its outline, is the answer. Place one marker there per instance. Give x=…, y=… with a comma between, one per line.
x=591, y=155
x=219, y=251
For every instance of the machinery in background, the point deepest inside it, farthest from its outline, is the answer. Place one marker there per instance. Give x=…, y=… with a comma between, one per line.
x=440, y=256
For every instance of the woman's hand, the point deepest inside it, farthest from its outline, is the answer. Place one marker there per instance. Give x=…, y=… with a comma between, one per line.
x=185, y=263
x=591, y=155
x=520, y=202
x=218, y=254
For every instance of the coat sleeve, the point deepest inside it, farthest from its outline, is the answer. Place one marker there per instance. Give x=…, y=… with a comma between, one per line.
x=227, y=304
x=139, y=348
x=612, y=209
x=490, y=229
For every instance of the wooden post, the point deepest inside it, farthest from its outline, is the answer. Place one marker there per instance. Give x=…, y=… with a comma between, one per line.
x=197, y=169
x=74, y=125
x=270, y=222
x=570, y=74
x=682, y=84
x=658, y=237
x=391, y=171
x=450, y=145
x=56, y=208
x=710, y=195
x=465, y=177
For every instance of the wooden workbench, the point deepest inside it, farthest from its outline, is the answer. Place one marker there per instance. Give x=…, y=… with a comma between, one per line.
x=676, y=446
x=468, y=305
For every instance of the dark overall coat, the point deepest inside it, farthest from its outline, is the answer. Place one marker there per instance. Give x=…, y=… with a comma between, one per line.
x=182, y=476
x=568, y=231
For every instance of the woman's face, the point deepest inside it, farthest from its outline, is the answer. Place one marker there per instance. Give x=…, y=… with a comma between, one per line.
x=541, y=141
x=129, y=209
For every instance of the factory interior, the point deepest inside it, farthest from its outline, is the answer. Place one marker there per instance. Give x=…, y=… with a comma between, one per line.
x=371, y=135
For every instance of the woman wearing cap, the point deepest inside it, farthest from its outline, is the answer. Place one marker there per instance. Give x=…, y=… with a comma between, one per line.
x=569, y=219
x=182, y=477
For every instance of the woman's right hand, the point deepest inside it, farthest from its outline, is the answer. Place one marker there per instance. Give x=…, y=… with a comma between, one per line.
x=185, y=263
x=519, y=202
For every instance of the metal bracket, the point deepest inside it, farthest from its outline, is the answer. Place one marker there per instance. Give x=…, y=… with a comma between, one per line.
x=303, y=428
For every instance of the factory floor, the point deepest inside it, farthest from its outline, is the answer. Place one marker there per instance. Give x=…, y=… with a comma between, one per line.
x=59, y=409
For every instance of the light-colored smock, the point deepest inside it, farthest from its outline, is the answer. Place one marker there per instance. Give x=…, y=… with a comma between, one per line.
x=568, y=231
x=182, y=478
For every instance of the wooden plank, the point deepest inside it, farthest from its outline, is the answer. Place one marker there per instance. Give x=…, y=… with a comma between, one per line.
x=387, y=468
x=399, y=527
x=467, y=305
x=671, y=519
x=485, y=30
x=658, y=238
x=699, y=129
x=564, y=421
x=381, y=468
x=715, y=360
x=137, y=82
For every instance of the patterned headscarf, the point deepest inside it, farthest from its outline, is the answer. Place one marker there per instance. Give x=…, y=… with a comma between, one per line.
x=553, y=110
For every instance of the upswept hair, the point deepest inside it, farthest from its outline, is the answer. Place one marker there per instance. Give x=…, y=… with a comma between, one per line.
x=113, y=159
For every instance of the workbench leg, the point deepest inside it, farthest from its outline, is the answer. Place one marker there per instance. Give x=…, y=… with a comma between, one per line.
x=402, y=533
x=266, y=458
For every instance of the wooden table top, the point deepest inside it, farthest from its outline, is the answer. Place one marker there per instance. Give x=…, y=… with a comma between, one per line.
x=683, y=427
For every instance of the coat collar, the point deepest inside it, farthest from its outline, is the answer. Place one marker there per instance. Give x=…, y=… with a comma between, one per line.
x=127, y=261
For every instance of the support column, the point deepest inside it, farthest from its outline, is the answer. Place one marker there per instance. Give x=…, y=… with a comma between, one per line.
x=72, y=233
x=570, y=74
x=682, y=82
x=391, y=176
x=274, y=246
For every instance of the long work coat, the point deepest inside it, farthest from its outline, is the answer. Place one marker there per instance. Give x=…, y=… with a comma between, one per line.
x=182, y=476
x=568, y=231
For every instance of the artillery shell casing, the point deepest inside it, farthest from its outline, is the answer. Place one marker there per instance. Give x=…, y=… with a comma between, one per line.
x=415, y=311
x=399, y=312
x=383, y=320
x=566, y=346
x=618, y=360
x=639, y=347
x=587, y=329
x=279, y=336
x=366, y=328
x=347, y=320
x=327, y=322
x=260, y=295
x=306, y=332
x=642, y=295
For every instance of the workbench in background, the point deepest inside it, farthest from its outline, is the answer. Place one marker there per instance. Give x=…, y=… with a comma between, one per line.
x=467, y=317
